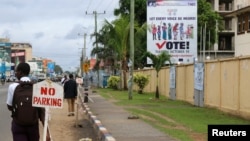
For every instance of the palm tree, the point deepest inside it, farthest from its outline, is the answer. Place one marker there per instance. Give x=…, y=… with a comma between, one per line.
x=119, y=39
x=140, y=46
x=105, y=50
x=114, y=37
x=158, y=62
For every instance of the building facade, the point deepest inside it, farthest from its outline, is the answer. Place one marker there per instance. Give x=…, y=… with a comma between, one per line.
x=234, y=39
x=21, y=52
x=11, y=54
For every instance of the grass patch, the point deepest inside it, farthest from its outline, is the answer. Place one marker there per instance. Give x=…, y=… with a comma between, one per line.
x=178, y=119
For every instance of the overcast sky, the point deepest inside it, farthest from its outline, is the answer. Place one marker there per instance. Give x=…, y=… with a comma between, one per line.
x=52, y=26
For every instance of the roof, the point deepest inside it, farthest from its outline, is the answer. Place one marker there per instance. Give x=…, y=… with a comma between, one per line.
x=238, y=11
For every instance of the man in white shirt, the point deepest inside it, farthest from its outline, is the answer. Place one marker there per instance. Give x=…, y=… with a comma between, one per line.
x=22, y=132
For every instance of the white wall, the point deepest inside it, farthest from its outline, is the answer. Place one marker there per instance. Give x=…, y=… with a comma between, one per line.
x=242, y=44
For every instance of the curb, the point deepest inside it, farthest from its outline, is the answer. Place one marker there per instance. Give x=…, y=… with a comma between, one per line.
x=102, y=132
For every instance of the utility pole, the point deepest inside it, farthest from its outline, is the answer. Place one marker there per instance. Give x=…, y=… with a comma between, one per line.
x=95, y=13
x=84, y=47
x=83, y=53
x=204, y=42
x=131, y=60
x=216, y=40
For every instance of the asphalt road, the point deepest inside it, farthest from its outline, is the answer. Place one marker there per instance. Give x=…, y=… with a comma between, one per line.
x=5, y=119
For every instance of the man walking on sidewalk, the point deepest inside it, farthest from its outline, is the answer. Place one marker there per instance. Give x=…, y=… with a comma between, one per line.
x=70, y=94
x=25, y=118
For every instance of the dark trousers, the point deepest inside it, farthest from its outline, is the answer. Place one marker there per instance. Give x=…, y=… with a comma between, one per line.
x=25, y=133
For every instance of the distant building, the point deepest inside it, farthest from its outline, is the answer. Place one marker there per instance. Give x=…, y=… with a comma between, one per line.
x=11, y=54
x=234, y=39
x=21, y=52
x=241, y=24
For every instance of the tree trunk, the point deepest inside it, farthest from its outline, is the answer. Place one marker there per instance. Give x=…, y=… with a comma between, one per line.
x=140, y=91
x=157, y=96
x=125, y=80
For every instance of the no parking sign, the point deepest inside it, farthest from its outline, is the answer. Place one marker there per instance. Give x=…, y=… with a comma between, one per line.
x=47, y=94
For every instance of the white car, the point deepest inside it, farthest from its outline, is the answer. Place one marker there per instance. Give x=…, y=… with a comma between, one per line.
x=11, y=79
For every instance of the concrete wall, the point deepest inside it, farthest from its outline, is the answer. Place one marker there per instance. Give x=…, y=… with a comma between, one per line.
x=242, y=43
x=226, y=84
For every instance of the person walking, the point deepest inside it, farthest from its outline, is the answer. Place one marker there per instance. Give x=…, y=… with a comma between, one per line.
x=21, y=130
x=70, y=94
x=3, y=78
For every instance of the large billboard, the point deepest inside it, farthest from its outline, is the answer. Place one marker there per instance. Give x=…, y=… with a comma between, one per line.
x=50, y=67
x=172, y=27
x=5, y=60
x=17, y=56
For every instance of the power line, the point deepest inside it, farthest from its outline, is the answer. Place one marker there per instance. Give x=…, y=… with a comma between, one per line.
x=89, y=4
x=100, y=4
x=110, y=3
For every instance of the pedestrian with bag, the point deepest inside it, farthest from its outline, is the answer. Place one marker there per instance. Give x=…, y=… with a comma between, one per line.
x=70, y=94
x=25, y=117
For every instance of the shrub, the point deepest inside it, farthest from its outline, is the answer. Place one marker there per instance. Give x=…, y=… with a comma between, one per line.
x=113, y=82
x=141, y=81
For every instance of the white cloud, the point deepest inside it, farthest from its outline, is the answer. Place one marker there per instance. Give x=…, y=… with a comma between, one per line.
x=38, y=35
x=52, y=26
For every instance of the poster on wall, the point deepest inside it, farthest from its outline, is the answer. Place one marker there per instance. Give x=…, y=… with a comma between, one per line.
x=17, y=56
x=198, y=76
x=5, y=60
x=172, y=77
x=50, y=67
x=172, y=27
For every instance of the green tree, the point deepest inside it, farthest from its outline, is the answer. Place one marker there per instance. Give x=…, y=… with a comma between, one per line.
x=140, y=46
x=58, y=69
x=206, y=15
x=141, y=13
x=120, y=41
x=140, y=18
x=114, y=37
x=158, y=62
x=106, y=51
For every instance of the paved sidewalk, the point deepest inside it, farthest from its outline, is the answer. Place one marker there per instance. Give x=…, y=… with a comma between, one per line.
x=112, y=123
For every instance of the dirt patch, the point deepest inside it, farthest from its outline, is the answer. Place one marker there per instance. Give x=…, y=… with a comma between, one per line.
x=69, y=128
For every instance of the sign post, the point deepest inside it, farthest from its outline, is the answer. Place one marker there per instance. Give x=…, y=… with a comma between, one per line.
x=45, y=126
x=47, y=94
x=79, y=81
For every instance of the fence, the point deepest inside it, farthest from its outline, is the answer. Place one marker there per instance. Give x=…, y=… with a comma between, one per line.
x=226, y=85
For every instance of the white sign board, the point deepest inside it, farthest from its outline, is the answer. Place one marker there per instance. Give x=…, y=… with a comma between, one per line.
x=199, y=76
x=172, y=77
x=79, y=80
x=47, y=94
x=172, y=28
